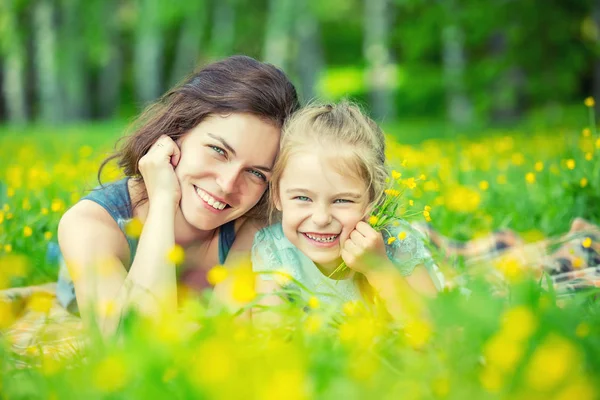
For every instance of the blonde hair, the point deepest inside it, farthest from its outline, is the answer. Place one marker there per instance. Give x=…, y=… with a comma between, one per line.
x=341, y=126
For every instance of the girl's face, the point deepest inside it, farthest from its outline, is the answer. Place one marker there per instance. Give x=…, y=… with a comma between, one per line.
x=320, y=207
x=225, y=165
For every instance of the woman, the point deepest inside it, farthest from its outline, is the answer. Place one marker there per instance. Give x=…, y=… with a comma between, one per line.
x=197, y=170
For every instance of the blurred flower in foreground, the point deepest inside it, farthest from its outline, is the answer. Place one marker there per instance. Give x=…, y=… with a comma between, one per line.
x=589, y=102
x=552, y=362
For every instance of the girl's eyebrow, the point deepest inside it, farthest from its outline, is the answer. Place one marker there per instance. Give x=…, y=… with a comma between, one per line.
x=353, y=195
x=298, y=190
x=232, y=151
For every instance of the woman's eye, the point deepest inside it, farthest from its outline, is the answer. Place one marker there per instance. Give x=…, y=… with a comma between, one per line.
x=219, y=150
x=258, y=174
x=301, y=198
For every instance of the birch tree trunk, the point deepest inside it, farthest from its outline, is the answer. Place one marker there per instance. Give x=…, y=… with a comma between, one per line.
x=148, y=52
x=278, y=34
x=458, y=106
x=73, y=68
x=223, y=28
x=379, y=73
x=48, y=89
x=188, y=43
x=12, y=47
x=309, y=57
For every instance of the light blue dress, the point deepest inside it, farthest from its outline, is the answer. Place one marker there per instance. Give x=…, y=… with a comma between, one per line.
x=274, y=257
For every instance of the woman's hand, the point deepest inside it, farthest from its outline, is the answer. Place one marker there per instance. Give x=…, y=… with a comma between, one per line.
x=157, y=167
x=364, y=249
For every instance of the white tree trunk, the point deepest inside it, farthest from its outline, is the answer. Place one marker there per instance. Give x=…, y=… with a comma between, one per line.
x=188, y=43
x=148, y=53
x=310, y=53
x=380, y=75
x=279, y=28
x=458, y=107
x=223, y=29
x=48, y=89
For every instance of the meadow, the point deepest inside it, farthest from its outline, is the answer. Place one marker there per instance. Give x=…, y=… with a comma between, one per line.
x=524, y=341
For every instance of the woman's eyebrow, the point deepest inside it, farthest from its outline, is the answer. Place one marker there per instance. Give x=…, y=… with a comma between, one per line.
x=232, y=151
x=223, y=142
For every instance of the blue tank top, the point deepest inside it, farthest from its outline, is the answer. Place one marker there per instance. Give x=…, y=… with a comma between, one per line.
x=115, y=199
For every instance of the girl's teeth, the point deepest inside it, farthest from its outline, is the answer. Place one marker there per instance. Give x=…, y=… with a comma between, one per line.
x=211, y=201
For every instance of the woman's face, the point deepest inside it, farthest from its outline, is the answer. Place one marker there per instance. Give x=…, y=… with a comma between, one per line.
x=225, y=166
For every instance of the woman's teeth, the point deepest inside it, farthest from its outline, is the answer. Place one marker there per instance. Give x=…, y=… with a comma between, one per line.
x=210, y=200
x=322, y=239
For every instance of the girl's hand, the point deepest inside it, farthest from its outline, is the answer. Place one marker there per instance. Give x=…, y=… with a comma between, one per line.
x=157, y=167
x=364, y=250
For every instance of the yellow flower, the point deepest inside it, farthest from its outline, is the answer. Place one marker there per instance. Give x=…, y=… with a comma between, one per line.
x=530, y=177
x=462, y=199
x=484, y=185
x=373, y=220
x=410, y=183
x=491, y=379
x=571, y=164
x=6, y=207
x=392, y=192
x=539, y=166
x=282, y=277
x=44, y=211
x=427, y=208
x=422, y=177
x=27, y=231
x=396, y=175
x=417, y=333
x=587, y=242
x=503, y=352
x=583, y=182
x=41, y=302
x=26, y=204
x=598, y=143
x=176, y=255
x=313, y=323
x=10, y=192
x=589, y=102
x=391, y=240
x=216, y=275
x=411, y=202
x=586, y=132
x=133, y=228
x=519, y=323
x=1, y=216
x=47, y=235
x=402, y=235
x=582, y=330
x=7, y=248
x=551, y=363
x=313, y=302
x=57, y=205
x=589, y=156
x=111, y=374
x=577, y=262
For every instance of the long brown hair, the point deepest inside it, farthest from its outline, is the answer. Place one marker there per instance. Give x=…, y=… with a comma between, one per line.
x=238, y=84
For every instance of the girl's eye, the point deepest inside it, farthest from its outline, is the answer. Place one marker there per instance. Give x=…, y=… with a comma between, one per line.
x=301, y=198
x=258, y=174
x=343, y=201
x=219, y=150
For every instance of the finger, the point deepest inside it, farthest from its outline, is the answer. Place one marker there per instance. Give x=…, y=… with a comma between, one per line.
x=176, y=155
x=358, y=238
x=364, y=228
x=351, y=247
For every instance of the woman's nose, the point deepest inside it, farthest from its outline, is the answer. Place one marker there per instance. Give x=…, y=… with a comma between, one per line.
x=227, y=179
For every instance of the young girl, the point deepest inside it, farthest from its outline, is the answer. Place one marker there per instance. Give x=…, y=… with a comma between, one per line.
x=329, y=175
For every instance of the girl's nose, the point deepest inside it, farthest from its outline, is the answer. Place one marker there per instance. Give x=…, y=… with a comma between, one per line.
x=321, y=216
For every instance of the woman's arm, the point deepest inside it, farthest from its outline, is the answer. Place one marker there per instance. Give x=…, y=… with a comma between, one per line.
x=96, y=251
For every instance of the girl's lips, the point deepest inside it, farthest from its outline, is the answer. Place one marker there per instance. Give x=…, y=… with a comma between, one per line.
x=317, y=243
